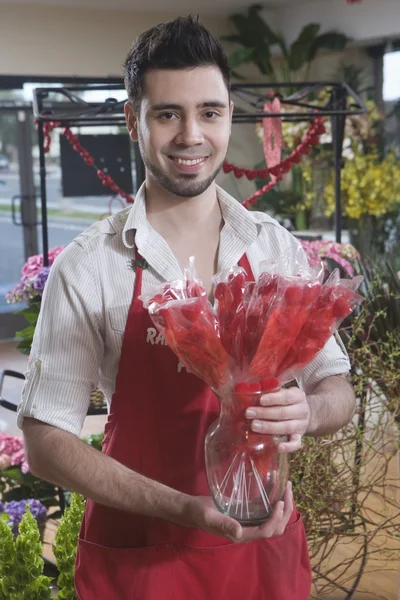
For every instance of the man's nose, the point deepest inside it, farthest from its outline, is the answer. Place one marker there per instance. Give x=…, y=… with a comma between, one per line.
x=190, y=132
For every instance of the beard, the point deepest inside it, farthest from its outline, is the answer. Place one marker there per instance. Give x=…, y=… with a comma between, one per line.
x=187, y=186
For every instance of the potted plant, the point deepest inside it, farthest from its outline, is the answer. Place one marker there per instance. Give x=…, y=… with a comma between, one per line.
x=30, y=290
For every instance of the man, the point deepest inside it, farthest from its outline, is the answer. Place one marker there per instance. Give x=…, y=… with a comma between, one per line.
x=150, y=530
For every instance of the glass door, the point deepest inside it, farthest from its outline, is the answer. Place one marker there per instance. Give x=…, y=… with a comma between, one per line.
x=18, y=228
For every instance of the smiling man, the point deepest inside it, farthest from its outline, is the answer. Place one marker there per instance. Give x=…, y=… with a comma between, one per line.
x=151, y=531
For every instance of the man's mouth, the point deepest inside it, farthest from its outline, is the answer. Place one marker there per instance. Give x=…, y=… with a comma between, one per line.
x=188, y=162
x=188, y=166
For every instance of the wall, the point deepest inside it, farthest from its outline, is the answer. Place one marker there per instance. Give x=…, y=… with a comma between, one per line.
x=70, y=41
x=56, y=41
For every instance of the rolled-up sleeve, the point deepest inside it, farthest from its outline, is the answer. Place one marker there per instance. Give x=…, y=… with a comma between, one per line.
x=67, y=349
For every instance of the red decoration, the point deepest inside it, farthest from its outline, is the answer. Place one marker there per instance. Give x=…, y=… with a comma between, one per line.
x=272, y=149
x=73, y=139
x=259, y=335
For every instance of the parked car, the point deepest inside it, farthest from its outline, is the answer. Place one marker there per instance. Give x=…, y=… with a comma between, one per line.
x=4, y=163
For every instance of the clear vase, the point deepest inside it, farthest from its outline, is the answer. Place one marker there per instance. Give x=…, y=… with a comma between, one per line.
x=246, y=474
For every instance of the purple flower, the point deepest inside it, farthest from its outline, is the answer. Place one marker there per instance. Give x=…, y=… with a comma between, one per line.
x=18, y=293
x=40, y=280
x=16, y=510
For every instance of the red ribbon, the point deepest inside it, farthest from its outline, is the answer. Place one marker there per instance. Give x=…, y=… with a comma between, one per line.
x=73, y=139
x=311, y=138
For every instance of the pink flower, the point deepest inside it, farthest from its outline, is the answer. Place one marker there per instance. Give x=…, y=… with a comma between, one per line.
x=12, y=452
x=5, y=462
x=18, y=457
x=342, y=254
x=32, y=266
x=10, y=444
x=54, y=252
x=35, y=263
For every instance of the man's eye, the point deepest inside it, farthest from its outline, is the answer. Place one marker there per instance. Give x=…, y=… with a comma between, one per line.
x=210, y=114
x=167, y=116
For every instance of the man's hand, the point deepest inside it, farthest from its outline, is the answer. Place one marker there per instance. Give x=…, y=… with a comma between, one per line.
x=285, y=413
x=201, y=513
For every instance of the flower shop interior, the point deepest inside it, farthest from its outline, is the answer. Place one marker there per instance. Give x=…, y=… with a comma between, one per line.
x=326, y=165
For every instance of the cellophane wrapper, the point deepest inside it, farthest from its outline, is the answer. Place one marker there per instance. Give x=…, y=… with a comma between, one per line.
x=256, y=335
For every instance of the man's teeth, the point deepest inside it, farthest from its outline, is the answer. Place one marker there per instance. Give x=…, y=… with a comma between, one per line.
x=189, y=163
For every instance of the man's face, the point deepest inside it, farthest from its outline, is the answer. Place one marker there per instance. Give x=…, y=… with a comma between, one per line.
x=183, y=128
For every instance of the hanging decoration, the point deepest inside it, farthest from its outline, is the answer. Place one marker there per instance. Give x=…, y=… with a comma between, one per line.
x=49, y=126
x=316, y=129
x=276, y=168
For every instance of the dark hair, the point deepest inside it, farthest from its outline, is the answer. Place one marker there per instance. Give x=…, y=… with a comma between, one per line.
x=182, y=43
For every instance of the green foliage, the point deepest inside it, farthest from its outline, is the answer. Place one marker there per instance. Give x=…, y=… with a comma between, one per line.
x=373, y=335
x=65, y=547
x=31, y=314
x=21, y=565
x=95, y=440
x=16, y=485
x=258, y=39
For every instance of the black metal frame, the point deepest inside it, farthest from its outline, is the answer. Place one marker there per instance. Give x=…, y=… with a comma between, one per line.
x=74, y=111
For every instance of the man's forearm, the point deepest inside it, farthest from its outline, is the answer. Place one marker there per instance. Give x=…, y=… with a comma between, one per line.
x=332, y=405
x=63, y=459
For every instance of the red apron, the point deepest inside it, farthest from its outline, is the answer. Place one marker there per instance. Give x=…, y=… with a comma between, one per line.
x=157, y=424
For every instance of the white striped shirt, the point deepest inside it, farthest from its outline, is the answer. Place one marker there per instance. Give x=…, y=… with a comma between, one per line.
x=78, y=338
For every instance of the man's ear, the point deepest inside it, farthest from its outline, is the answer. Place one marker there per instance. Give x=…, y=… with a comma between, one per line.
x=131, y=121
x=231, y=107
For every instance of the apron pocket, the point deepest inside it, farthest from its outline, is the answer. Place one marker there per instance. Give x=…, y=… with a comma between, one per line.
x=273, y=569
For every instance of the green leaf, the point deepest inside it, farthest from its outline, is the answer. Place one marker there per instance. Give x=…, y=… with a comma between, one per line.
x=25, y=346
x=28, y=331
x=240, y=56
x=236, y=39
x=330, y=40
x=31, y=317
x=237, y=75
x=242, y=25
x=262, y=60
x=262, y=30
x=300, y=49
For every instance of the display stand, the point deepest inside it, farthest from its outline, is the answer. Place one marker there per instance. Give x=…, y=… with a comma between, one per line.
x=67, y=108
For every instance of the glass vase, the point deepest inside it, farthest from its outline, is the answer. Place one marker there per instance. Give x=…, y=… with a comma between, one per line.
x=246, y=474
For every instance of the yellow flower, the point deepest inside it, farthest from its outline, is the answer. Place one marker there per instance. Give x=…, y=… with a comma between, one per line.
x=369, y=186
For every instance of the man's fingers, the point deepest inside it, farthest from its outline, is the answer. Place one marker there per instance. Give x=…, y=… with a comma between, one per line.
x=225, y=526
x=281, y=515
x=292, y=445
x=294, y=412
x=283, y=397
x=275, y=428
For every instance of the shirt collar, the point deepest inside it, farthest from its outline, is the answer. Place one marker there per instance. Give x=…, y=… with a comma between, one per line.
x=235, y=216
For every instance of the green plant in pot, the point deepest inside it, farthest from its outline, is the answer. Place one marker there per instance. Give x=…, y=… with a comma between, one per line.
x=21, y=563
x=258, y=41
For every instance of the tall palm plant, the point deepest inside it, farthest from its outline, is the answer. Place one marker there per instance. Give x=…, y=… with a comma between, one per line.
x=258, y=40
